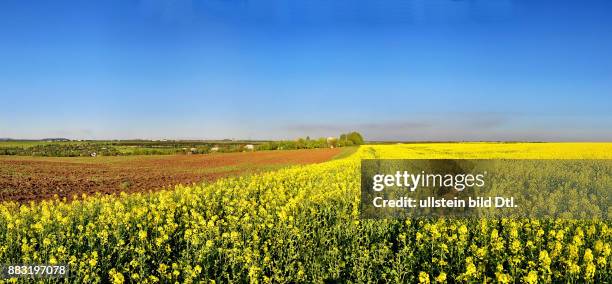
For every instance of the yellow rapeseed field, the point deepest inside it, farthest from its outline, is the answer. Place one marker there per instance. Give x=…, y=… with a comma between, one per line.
x=301, y=224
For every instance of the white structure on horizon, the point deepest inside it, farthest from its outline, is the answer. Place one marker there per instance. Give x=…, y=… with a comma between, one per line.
x=331, y=141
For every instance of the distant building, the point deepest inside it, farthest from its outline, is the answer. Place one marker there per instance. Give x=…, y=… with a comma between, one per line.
x=214, y=149
x=249, y=147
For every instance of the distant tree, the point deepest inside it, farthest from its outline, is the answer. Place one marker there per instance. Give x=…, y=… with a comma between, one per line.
x=355, y=137
x=300, y=143
x=351, y=138
x=321, y=143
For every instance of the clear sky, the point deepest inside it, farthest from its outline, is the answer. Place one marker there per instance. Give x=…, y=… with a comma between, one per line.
x=408, y=70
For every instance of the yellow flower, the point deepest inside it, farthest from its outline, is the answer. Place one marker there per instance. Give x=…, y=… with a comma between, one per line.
x=601, y=261
x=502, y=278
x=441, y=277
x=574, y=268
x=544, y=258
x=598, y=246
x=142, y=235
x=606, y=250
x=463, y=230
x=531, y=278
x=423, y=277
x=116, y=277
x=72, y=260
x=589, y=271
x=470, y=270
x=515, y=247
x=588, y=255
x=162, y=268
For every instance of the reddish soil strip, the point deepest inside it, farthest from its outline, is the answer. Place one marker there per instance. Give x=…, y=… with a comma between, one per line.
x=35, y=178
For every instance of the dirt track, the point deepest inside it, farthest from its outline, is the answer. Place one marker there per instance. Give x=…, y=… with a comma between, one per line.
x=35, y=178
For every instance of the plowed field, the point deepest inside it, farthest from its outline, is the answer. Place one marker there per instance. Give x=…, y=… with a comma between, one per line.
x=36, y=178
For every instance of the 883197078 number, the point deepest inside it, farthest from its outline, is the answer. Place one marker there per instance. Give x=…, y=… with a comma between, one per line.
x=33, y=271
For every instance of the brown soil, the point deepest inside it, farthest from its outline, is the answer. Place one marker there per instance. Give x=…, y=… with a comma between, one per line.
x=35, y=178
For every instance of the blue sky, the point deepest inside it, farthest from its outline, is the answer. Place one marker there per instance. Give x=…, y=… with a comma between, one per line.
x=407, y=70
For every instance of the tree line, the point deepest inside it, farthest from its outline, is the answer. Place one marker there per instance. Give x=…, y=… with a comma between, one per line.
x=106, y=149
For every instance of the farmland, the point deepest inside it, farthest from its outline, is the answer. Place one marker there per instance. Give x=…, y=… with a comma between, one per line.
x=301, y=224
x=35, y=178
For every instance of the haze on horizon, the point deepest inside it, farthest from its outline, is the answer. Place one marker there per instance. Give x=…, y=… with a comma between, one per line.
x=394, y=70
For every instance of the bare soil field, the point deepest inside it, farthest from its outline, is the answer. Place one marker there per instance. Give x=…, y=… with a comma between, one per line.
x=34, y=178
